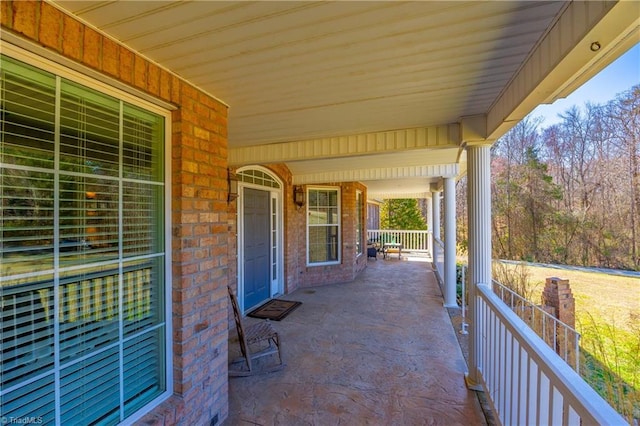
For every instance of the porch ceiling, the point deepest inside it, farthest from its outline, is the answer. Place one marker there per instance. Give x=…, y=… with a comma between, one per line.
x=311, y=79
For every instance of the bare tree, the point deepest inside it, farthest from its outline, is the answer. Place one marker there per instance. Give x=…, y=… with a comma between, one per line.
x=624, y=123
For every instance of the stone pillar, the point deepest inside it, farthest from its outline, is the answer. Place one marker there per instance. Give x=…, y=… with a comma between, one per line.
x=479, y=216
x=449, y=243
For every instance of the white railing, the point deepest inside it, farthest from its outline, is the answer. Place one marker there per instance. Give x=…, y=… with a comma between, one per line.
x=562, y=338
x=525, y=380
x=419, y=241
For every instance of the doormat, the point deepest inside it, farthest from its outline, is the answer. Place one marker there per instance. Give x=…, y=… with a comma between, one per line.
x=275, y=309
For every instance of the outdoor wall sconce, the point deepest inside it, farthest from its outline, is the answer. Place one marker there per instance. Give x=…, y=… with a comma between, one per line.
x=232, y=183
x=298, y=195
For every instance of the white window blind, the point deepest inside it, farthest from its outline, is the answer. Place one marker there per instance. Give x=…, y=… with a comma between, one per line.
x=82, y=261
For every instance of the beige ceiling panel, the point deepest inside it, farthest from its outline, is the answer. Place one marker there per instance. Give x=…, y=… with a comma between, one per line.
x=231, y=31
x=108, y=14
x=299, y=76
x=174, y=22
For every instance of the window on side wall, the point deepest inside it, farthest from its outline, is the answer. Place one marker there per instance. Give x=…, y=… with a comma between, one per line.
x=82, y=260
x=323, y=226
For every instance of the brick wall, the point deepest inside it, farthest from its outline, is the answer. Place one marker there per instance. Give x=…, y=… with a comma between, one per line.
x=351, y=264
x=199, y=206
x=296, y=272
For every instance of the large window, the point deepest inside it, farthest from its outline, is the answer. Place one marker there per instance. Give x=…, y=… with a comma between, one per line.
x=323, y=225
x=82, y=259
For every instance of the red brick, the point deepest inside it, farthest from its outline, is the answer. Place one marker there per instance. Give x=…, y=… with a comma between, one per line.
x=92, y=50
x=24, y=18
x=202, y=180
x=153, y=79
x=202, y=205
x=126, y=65
x=6, y=13
x=140, y=72
x=110, y=57
x=72, y=38
x=176, y=89
x=201, y=133
x=189, y=91
x=51, y=20
x=165, y=85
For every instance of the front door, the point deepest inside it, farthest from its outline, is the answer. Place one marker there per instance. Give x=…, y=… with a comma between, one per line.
x=257, y=230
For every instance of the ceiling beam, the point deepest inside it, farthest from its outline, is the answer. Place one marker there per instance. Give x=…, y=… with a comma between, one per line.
x=444, y=136
x=369, y=174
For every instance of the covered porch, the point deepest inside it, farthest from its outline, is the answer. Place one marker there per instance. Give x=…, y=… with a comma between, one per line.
x=356, y=101
x=378, y=350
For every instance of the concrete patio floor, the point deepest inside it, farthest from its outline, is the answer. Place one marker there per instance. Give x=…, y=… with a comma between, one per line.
x=380, y=350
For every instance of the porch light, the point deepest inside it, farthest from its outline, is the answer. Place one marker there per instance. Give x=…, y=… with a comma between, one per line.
x=298, y=196
x=232, y=182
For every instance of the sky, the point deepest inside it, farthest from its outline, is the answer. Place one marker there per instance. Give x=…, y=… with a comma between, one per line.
x=618, y=77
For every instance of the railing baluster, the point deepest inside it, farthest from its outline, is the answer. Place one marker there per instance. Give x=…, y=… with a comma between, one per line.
x=577, y=340
x=527, y=311
x=411, y=240
x=555, y=336
x=524, y=377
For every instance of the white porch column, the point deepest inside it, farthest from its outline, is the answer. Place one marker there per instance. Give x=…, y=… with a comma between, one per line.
x=479, y=211
x=429, y=206
x=450, y=243
x=435, y=208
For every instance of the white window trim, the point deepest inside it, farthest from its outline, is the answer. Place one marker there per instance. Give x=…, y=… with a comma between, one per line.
x=62, y=71
x=339, y=224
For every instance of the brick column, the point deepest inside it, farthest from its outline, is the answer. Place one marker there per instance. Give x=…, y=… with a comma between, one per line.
x=558, y=300
x=557, y=293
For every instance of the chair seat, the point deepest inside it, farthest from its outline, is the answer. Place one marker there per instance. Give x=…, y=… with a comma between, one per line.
x=260, y=331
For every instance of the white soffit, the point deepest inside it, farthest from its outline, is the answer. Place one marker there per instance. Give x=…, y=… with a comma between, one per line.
x=294, y=70
x=299, y=77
